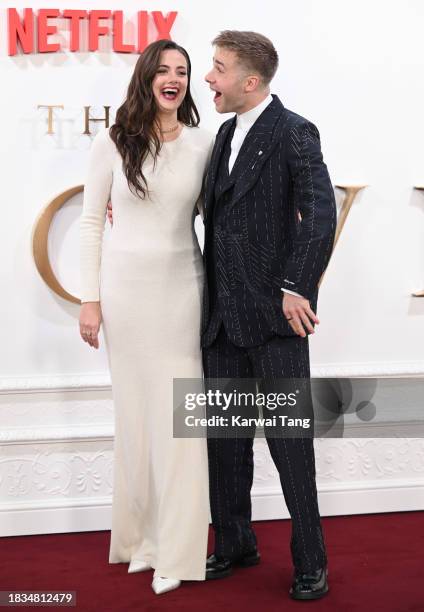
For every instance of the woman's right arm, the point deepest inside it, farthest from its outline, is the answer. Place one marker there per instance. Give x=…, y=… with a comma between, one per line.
x=97, y=189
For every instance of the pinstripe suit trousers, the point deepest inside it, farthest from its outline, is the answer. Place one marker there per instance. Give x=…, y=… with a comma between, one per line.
x=231, y=459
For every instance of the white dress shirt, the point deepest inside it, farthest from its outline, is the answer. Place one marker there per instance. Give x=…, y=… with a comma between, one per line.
x=243, y=125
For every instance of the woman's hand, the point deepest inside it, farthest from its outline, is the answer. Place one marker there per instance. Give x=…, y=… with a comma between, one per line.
x=109, y=212
x=89, y=321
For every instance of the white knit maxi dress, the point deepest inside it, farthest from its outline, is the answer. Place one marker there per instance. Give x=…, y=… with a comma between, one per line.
x=148, y=276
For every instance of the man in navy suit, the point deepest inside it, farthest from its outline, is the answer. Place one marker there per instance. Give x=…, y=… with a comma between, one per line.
x=270, y=219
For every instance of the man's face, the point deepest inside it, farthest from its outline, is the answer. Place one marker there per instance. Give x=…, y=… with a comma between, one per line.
x=227, y=79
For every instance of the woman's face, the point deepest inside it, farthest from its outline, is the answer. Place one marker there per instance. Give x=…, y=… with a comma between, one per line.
x=171, y=81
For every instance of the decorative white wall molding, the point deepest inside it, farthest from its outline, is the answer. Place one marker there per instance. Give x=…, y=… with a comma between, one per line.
x=53, y=383
x=101, y=432
x=57, y=504
x=101, y=380
x=371, y=369
x=56, y=461
x=50, y=435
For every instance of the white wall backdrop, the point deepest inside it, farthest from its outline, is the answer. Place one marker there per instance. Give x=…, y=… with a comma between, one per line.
x=353, y=68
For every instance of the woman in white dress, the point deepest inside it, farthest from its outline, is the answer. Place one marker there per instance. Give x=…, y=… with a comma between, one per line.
x=145, y=285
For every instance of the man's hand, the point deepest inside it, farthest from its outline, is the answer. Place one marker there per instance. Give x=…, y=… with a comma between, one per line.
x=299, y=314
x=109, y=212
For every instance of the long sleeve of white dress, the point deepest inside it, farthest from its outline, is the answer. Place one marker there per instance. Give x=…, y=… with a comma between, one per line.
x=97, y=188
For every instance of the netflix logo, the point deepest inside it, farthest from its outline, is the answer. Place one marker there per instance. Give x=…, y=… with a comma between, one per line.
x=30, y=32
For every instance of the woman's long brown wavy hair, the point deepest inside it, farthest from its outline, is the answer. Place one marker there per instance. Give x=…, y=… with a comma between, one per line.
x=134, y=132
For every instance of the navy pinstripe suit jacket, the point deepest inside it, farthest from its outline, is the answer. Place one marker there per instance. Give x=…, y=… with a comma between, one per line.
x=277, y=228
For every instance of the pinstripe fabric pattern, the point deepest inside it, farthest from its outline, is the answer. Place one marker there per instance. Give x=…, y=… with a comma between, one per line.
x=231, y=459
x=254, y=246
x=254, y=242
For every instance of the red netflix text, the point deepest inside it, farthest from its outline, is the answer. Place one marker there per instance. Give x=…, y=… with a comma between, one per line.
x=30, y=32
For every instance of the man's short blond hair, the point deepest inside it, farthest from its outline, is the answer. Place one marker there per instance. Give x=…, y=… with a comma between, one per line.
x=255, y=51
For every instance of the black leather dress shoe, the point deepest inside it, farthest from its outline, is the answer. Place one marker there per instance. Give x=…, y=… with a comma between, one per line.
x=310, y=586
x=220, y=567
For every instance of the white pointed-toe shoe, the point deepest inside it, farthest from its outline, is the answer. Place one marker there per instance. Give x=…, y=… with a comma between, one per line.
x=137, y=565
x=162, y=585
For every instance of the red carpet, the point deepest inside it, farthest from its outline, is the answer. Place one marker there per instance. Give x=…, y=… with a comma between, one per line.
x=376, y=562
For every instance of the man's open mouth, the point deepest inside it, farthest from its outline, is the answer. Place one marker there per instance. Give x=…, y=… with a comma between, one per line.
x=217, y=95
x=170, y=93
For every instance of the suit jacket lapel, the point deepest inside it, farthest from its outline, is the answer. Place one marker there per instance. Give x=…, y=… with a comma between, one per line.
x=255, y=150
x=214, y=165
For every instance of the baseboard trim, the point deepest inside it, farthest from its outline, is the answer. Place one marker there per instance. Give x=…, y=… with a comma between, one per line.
x=79, y=515
x=346, y=499
x=58, y=516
